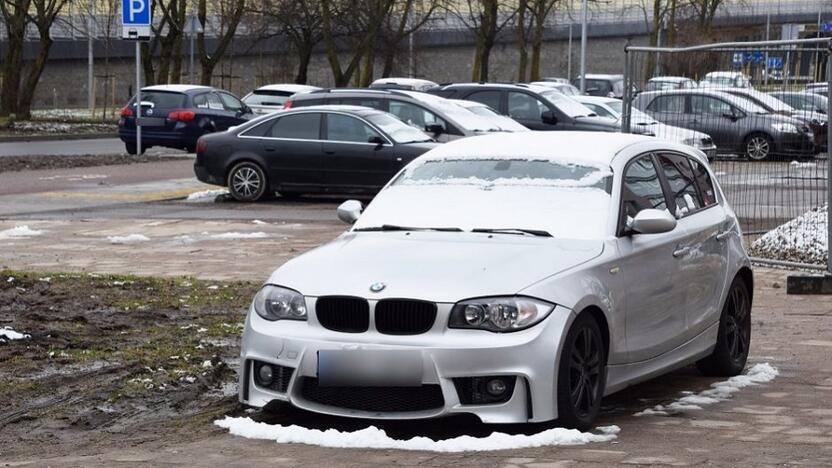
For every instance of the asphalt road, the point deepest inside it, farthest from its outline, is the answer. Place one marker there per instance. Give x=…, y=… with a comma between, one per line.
x=70, y=147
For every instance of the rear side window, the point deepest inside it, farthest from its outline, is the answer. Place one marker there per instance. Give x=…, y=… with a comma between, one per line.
x=267, y=98
x=703, y=181
x=641, y=188
x=709, y=105
x=208, y=101
x=230, y=102
x=298, y=126
x=670, y=104
x=679, y=175
x=489, y=98
x=364, y=102
x=162, y=99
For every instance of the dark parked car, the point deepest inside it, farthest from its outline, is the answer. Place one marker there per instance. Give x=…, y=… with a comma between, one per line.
x=321, y=149
x=804, y=101
x=602, y=85
x=441, y=119
x=536, y=107
x=175, y=116
x=736, y=125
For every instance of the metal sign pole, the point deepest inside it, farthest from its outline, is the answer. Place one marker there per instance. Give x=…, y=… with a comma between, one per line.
x=829, y=164
x=583, y=46
x=138, y=98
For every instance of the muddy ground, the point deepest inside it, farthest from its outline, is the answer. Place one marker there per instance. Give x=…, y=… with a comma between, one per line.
x=115, y=360
x=25, y=163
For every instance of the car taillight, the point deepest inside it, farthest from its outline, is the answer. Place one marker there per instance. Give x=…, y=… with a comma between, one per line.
x=201, y=146
x=183, y=116
x=127, y=112
x=288, y=104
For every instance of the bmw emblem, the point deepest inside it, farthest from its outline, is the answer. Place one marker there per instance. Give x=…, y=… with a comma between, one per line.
x=377, y=287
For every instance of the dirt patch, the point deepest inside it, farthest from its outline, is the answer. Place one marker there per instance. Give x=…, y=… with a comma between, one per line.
x=54, y=127
x=24, y=163
x=115, y=359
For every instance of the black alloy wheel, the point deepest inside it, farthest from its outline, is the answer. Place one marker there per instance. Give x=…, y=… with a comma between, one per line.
x=582, y=374
x=734, y=336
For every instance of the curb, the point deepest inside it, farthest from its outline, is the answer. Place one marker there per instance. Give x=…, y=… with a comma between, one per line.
x=57, y=137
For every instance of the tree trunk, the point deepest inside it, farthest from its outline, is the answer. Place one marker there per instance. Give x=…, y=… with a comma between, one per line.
x=671, y=25
x=24, y=103
x=14, y=15
x=537, y=48
x=650, y=60
x=304, y=57
x=475, y=67
x=369, y=68
x=523, y=62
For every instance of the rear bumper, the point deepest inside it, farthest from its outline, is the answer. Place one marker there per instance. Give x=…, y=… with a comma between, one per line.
x=170, y=139
x=795, y=144
x=202, y=175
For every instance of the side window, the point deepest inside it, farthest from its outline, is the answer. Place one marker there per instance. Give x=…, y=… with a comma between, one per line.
x=201, y=101
x=641, y=188
x=679, y=175
x=670, y=104
x=341, y=127
x=489, y=98
x=305, y=126
x=523, y=106
x=703, y=181
x=230, y=102
x=213, y=101
x=414, y=115
x=357, y=101
x=709, y=105
x=602, y=112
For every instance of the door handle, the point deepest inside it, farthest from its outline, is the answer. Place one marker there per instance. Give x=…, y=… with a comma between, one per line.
x=723, y=235
x=681, y=252
x=269, y=150
x=329, y=152
x=398, y=159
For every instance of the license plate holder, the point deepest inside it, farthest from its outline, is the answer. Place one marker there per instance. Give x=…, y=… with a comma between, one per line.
x=369, y=368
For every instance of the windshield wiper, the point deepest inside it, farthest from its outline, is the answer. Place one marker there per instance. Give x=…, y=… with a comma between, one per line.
x=393, y=227
x=532, y=232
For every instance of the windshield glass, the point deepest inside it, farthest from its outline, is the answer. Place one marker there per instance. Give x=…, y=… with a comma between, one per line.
x=463, y=117
x=768, y=101
x=267, y=98
x=567, y=105
x=567, y=199
x=399, y=131
x=635, y=114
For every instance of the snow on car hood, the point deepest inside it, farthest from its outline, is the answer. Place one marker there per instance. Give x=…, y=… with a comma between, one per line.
x=435, y=266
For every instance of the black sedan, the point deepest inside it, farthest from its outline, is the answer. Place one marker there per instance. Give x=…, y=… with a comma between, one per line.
x=317, y=149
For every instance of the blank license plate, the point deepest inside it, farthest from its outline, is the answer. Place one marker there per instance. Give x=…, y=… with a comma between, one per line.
x=369, y=368
x=152, y=121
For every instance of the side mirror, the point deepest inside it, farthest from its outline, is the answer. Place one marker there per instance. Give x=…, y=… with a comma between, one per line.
x=436, y=129
x=548, y=117
x=376, y=140
x=349, y=211
x=652, y=221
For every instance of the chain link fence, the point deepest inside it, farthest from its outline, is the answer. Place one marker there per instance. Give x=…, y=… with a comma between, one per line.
x=759, y=110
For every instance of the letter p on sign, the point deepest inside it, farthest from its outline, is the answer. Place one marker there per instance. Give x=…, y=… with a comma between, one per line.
x=135, y=12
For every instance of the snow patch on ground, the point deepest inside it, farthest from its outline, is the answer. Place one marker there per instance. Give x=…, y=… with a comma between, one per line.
x=803, y=239
x=719, y=391
x=8, y=334
x=258, y=222
x=239, y=235
x=375, y=438
x=19, y=232
x=205, y=196
x=128, y=239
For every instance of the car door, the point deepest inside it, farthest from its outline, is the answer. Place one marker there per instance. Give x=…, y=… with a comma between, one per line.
x=211, y=114
x=292, y=148
x=701, y=263
x=669, y=109
x=528, y=110
x=351, y=160
x=645, y=272
x=235, y=111
x=492, y=98
x=712, y=116
x=424, y=119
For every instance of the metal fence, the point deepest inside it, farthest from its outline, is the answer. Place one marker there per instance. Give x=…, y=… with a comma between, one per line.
x=760, y=112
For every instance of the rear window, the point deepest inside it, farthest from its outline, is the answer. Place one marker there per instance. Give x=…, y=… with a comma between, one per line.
x=162, y=99
x=267, y=98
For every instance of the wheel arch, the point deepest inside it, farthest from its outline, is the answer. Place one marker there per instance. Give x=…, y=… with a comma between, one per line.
x=747, y=276
x=601, y=319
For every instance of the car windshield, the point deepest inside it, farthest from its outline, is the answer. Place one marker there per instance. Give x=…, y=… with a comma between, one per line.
x=399, y=131
x=461, y=116
x=267, y=98
x=565, y=198
x=567, y=105
x=770, y=102
x=635, y=114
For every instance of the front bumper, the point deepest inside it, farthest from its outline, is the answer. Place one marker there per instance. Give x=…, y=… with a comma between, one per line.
x=530, y=355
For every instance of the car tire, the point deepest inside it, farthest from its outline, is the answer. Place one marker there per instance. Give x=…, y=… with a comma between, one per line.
x=581, y=374
x=131, y=149
x=734, y=336
x=290, y=195
x=247, y=182
x=758, y=147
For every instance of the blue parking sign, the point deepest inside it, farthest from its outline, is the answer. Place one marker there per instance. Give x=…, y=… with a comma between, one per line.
x=135, y=12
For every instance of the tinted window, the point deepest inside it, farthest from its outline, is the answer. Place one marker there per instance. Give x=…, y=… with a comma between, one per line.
x=230, y=102
x=599, y=110
x=208, y=101
x=300, y=126
x=597, y=86
x=364, y=102
x=709, y=105
x=414, y=115
x=703, y=181
x=162, y=100
x=489, y=98
x=525, y=107
x=671, y=104
x=341, y=127
x=680, y=178
x=267, y=98
x=641, y=188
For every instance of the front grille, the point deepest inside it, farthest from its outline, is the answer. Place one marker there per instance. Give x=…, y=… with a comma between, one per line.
x=381, y=399
x=343, y=313
x=404, y=316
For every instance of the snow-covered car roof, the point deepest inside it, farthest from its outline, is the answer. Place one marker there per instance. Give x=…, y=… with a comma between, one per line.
x=533, y=87
x=670, y=79
x=178, y=88
x=737, y=101
x=417, y=84
x=716, y=74
x=288, y=87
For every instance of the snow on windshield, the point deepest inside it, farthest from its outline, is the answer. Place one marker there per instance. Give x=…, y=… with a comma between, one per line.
x=566, y=104
x=397, y=130
x=565, y=199
x=460, y=115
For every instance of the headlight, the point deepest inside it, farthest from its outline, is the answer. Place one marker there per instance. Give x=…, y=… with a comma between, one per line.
x=785, y=127
x=499, y=314
x=695, y=142
x=276, y=303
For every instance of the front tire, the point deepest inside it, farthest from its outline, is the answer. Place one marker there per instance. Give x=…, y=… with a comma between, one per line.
x=734, y=335
x=247, y=182
x=758, y=147
x=581, y=374
x=131, y=149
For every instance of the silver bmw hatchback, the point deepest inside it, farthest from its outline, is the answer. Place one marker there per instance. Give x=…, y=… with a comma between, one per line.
x=516, y=277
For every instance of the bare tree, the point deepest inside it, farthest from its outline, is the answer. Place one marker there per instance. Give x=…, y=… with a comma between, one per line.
x=704, y=12
x=540, y=11
x=15, y=14
x=522, y=39
x=230, y=13
x=483, y=18
x=167, y=39
x=407, y=17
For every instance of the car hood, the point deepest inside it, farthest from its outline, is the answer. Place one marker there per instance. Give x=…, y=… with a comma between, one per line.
x=435, y=266
x=597, y=123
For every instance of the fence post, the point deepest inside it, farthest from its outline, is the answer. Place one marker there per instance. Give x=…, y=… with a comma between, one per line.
x=628, y=92
x=828, y=161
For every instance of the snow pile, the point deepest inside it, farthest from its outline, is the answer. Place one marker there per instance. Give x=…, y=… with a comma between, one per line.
x=128, y=239
x=238, y=235
x=719, y=391
x=802, y=239
x=7, y=334
x=19, y=232
x=205, y=196
x=375, y=438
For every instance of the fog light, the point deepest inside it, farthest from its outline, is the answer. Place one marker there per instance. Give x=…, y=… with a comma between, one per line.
x=265, y=374
x=495, y=387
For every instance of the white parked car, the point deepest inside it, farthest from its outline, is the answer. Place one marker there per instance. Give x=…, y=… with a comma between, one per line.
x=563, y=88
x=506, y=124
x=519, y=277
x=642, y=123
x=725, y=79
x=411, y=84
x=270, y=98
